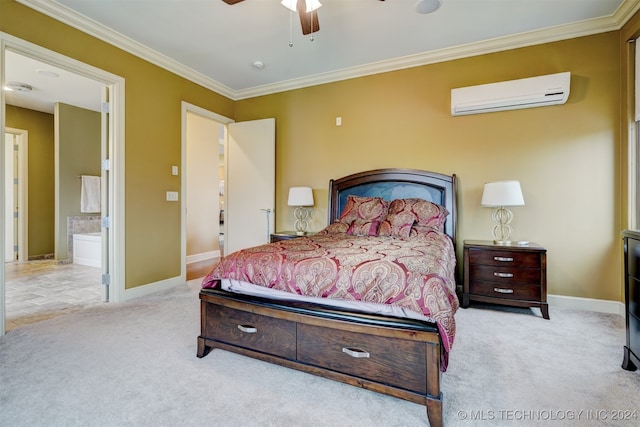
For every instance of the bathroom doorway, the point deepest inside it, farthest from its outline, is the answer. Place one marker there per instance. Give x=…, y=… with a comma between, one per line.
x=109, y=101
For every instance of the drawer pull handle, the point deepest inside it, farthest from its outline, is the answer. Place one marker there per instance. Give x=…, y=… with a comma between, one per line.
x=356, y=352
x=248, y=329
x=503, y=291
x=502, y=259
x=503, y=274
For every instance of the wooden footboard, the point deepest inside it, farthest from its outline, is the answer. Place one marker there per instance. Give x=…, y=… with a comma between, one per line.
x=398, y=357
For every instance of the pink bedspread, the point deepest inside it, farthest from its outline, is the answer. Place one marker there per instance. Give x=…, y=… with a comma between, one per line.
x=416, y=274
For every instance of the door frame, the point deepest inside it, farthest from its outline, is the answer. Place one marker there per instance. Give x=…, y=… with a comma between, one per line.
x=115, y=150
x=191, y=108
x=22, y=136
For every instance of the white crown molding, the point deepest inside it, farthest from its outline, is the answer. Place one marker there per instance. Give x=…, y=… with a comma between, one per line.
x=93, y=28
x=584, y=28
x=531, y=38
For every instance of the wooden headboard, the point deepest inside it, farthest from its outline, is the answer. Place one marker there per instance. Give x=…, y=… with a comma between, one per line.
x=393, y=184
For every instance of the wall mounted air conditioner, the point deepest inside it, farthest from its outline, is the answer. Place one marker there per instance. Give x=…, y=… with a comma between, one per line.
x=531, y=92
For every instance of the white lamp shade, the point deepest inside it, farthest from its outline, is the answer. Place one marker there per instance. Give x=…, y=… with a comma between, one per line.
x=300, y=196
x=502, y=193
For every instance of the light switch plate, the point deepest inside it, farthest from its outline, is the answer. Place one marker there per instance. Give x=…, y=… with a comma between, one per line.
x=172, y=196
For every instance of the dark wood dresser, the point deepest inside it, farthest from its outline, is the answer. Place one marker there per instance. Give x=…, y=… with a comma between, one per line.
x=508, y=275
x=632, y=298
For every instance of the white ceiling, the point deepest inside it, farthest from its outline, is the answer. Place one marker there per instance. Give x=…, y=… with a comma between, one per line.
x=67, y=87
x=215, y=44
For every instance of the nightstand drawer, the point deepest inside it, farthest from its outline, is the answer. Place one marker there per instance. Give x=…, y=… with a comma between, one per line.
x=633, y=296
x=633, y=258
x=366, y=356
x=519, y=292
x=504, y=258
x=254, y=331
x=505, y=274
x=634, y=335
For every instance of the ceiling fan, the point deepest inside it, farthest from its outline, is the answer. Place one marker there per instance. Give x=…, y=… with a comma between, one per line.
x=308, y=20
x=308, y=11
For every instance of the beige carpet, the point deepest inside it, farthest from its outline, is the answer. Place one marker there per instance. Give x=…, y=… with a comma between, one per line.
x=134, y=364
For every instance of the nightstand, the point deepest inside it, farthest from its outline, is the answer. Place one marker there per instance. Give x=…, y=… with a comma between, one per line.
x=505, y=274
x=286, y=235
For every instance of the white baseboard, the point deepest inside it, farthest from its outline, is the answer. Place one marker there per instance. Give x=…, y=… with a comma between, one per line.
x=152, y=288
x=203, y=256
x=588, y=304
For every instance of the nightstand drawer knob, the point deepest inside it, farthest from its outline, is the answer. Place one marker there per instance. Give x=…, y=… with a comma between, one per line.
x=503, y=291
x=503, y=274
x=356, y=352
x=248, y=329
x=503, y=259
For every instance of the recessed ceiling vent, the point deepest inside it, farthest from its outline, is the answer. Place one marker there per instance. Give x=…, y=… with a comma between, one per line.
x=17, y=87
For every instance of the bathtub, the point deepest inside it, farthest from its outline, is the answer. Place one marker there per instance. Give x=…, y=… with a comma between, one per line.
x=87, y=249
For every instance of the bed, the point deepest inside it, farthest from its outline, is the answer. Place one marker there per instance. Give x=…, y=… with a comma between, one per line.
x=393, y=342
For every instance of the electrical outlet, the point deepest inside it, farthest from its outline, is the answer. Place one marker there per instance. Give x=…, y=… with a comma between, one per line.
x=172, y=196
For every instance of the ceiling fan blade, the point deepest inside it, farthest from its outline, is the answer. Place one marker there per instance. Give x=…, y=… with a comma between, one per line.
x=308, y=20
x=232, y=2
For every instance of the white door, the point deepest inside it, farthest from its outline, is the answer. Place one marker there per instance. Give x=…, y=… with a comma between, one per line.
x=10, y=241
x=250, y=184
x=105, y=202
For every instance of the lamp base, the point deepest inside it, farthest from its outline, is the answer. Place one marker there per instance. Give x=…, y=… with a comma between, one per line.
x=502, y=231
x=502, y=242
x=301, y=213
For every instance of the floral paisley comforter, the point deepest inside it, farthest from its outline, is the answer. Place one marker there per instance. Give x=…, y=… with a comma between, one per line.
x=416, y=274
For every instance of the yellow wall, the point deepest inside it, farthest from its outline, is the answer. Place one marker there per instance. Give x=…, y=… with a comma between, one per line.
x=566, y=157
x=152, y=136
x=78, y=151
x=41, y=176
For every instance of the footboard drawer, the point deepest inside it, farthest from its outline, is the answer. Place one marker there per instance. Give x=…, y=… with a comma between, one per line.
x=393, y=361
x=506, y=290
x=252, y=331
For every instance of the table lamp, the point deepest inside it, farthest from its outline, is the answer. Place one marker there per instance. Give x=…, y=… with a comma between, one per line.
x=301, y=197
x=499, y=195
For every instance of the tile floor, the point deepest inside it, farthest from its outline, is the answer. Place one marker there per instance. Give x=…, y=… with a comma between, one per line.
x=39, y=290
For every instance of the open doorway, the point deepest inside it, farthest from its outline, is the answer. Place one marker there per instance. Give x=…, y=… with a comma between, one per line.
x=204, y=136
x=109, y=99
x=246, y=164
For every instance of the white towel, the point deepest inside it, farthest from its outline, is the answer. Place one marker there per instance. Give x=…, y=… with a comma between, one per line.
x=90, y=194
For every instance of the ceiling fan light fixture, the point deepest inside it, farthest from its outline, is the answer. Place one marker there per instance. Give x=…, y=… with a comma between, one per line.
x=290, y=4
x=428, y=6
x=310, y=5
